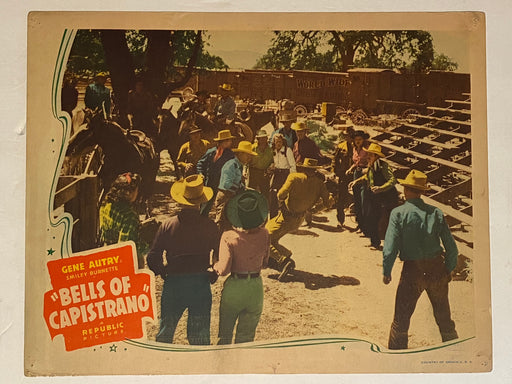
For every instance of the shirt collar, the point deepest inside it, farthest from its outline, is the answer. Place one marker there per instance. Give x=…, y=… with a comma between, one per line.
x=415, y=201
x=238, y=162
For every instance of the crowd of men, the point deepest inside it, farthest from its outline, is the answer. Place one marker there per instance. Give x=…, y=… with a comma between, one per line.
x=236, y=203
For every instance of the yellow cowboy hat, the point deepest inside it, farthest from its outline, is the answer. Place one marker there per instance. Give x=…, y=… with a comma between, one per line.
x=102, y=74
x=226, y=87
x=301, y=126
x=245, y=147
x=191, y=191
x=309, y=163
x=374, y=148
x=416, y=180
x=225, y=134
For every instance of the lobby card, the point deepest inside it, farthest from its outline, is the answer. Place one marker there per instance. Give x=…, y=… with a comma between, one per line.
x=414, y=82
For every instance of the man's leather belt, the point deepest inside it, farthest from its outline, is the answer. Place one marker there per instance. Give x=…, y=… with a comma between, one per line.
x=252, y=275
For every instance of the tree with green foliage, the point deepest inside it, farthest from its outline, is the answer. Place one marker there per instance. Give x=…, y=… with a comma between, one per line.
x=167, y=59
x=410, y=51
x=444, y=63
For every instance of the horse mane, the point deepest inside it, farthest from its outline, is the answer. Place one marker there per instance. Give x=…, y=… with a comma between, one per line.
x=80, y=140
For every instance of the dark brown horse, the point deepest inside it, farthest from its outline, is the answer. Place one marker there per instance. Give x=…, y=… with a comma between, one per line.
x=123, y=151
x=256, y=118
x=173, y=133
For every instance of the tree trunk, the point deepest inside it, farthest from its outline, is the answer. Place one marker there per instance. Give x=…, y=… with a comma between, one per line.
x=120, y=64
x=196, y=50
x=346, y=47
x=347, y=58
x=158, y=55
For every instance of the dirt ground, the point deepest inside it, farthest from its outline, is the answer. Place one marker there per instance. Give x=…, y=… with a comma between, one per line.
x=336, y=289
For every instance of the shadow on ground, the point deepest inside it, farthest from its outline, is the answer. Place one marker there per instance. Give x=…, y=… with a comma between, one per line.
x=327, y=228
x=316, y=281
x=162, y=187
x=304, y=232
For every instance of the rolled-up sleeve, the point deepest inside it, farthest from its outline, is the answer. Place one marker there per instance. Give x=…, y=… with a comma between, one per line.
x=388, y=175
x=283, y=193
x=231, y=177
x=182, y=154
x=291, y=160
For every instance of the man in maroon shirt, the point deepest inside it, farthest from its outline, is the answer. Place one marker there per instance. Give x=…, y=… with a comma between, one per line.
x=187, y=240
x=305, y=147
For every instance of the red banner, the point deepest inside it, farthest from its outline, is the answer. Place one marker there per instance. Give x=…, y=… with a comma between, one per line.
x=98, y=297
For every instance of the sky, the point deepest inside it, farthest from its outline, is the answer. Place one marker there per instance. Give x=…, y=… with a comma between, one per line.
x=241, y=49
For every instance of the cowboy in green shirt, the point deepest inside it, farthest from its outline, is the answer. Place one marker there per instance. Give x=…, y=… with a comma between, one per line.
x=380, y=197
x=415, y=233
x=258, y=176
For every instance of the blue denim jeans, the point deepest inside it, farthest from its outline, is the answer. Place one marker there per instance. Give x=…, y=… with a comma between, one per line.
x=180, y=292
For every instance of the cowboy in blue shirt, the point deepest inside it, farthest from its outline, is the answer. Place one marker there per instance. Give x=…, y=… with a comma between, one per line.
x=210, y=165
x=96, y=94
x=226, y=106
x=232, y=180
x=286, y=118
x=415, y=233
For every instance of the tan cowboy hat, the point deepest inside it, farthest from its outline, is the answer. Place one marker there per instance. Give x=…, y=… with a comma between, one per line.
x=309, y=163
x=245, y=147
x=416, y=180
x=374, y=148
x=301, y=126
x=261, y=133
x=225, y=134
x=191, y=191
x=226, y=87
x=288, y=115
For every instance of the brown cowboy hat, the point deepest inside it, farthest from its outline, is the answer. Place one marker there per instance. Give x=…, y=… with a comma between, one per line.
x=374, y=148
x=287, y=115
x=362, y=134
x=261, y=133
x=415, y=180
x=194, y=129
x=245, y=147
x=225, y=134
x=191, y=191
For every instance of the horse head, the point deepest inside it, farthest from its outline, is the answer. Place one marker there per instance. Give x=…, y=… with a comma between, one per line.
x=106, y=132
x=187, y=118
